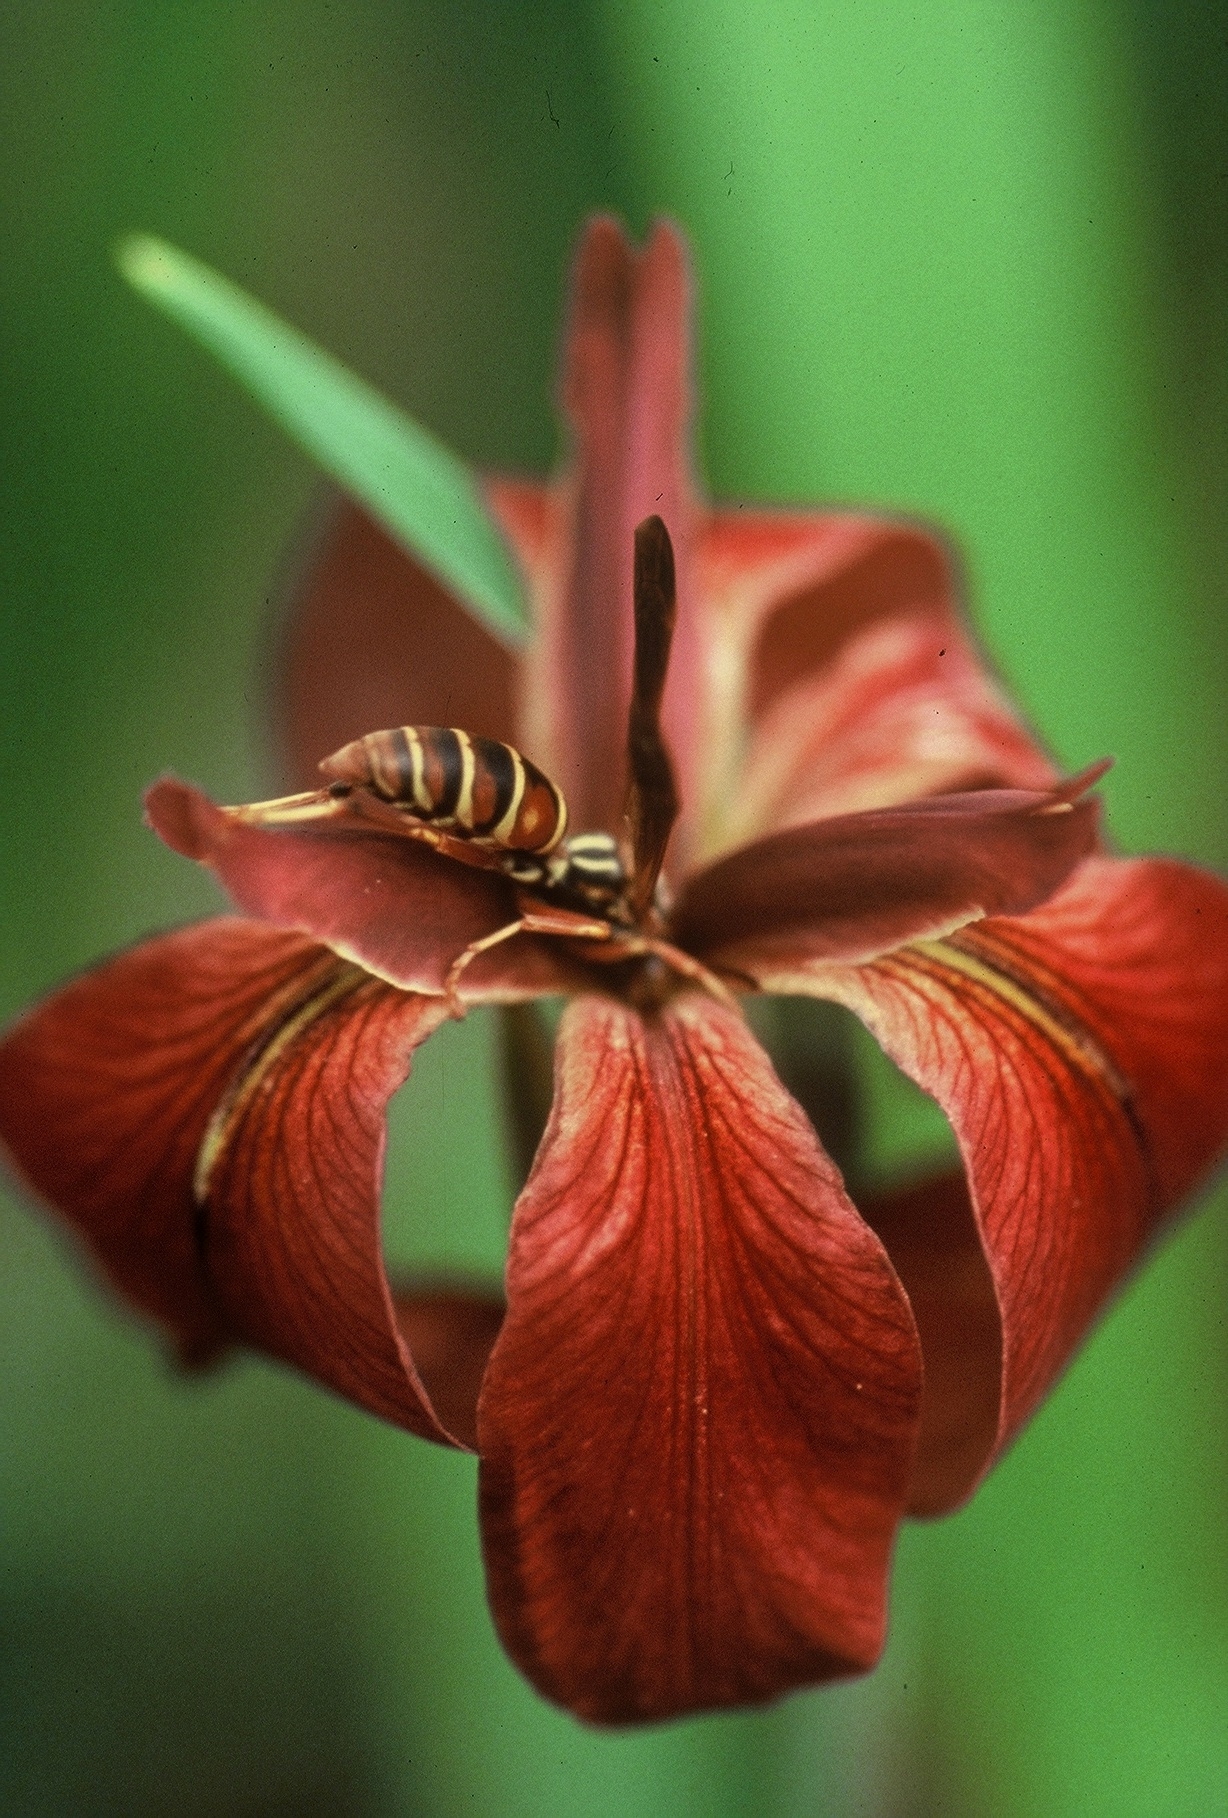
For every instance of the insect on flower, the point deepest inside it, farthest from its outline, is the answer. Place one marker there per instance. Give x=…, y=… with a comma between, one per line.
x=481, y=802
x=712, y=1384
x=499, y=802
x=507, y=814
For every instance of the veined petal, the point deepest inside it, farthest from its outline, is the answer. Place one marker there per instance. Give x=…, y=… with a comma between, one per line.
x=108, y=1086
x=799, y=583
x=371, y=639
x=390, y=904
x=836, y=642
x=861, y=884
x=698, y=1421
x=1136, y=951
x=626, y=394
x=1081, y=1054
x=207, y=1112
x=288, y=1185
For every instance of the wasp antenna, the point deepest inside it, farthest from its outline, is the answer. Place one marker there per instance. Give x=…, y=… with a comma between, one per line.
x=652, y=796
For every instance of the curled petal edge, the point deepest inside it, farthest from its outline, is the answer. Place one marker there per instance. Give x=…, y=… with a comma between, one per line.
x=905, y=710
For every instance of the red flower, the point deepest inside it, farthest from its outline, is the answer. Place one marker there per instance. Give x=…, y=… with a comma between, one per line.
x=716, y=1385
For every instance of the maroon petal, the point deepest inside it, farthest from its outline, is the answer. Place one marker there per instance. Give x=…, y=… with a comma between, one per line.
x=289, y=1184
x=930, y=1233
x=450, y=1330
x=393, y=905
x=861, y=884
x=536, y=520
x=1081, y=1054
x=108, y=1086
x=698, y=1421
x=372, y=639
x=626, y=394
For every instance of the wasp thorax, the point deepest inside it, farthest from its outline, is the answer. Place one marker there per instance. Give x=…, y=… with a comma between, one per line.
x=593, y=861
x=486, y=791
x=587, y=872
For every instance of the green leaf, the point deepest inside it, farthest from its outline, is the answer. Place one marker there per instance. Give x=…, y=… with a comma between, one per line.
x=418, y=489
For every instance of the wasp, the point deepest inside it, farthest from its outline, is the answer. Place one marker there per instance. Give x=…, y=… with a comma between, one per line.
x=493, y=800
x=485, y=804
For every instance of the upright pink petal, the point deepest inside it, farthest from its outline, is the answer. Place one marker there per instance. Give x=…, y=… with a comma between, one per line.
x=837, y=639
x=905, y=710
x=371, y=639
x=698, y=1421
x=626, y=395
x=1079, y=1053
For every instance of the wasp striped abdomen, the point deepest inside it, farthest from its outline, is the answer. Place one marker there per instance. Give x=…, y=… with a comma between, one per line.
x=486, y=790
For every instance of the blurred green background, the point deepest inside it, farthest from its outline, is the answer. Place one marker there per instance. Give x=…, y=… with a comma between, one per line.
x=961, y=258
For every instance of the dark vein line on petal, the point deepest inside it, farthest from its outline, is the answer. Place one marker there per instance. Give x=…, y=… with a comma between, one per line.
x=325, y=987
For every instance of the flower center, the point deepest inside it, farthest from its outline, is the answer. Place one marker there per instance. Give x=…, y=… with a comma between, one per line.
x=484, y=804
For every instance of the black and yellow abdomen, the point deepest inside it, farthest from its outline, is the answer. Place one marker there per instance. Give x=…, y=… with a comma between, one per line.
x=487, y=791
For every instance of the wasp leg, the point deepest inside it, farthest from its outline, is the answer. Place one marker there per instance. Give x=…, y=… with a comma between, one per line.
x=368, y=809
x=533, y=920
x=694, y=969
x=361, y=810
x=289, y=810
x=636, y=946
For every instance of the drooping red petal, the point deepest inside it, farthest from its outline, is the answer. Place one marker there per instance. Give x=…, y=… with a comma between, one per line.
x=838, y=639
x=1081, y=1054
x=698, y=1421
x=369, y=639
x=392, y=905
x=207, y=1113
x=108, y=1086
x=862, y=884
x=626, y=395
x=290, y=1216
